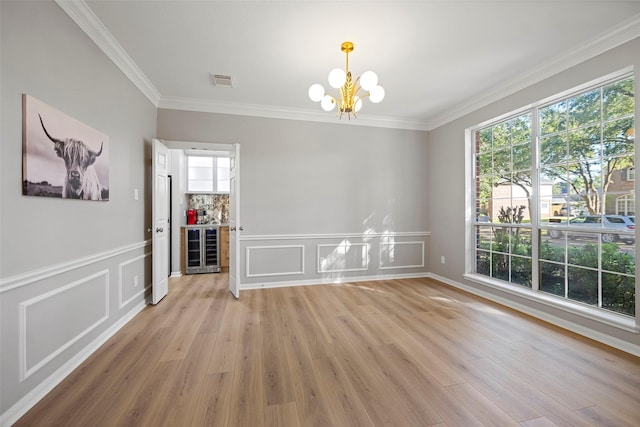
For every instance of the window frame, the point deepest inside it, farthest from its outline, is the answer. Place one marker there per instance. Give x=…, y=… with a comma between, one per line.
x=214, y=175
x=472, y=220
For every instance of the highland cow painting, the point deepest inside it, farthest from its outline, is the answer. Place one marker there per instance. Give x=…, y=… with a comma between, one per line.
x=62, y=157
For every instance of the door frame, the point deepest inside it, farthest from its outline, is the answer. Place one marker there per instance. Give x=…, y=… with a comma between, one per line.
x=211, y=146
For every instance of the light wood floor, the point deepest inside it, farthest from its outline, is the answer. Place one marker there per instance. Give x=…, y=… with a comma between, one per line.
x=388, y=353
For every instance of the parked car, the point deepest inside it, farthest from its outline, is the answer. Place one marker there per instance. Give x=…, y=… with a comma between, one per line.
x=611, y=223
x=575, y=210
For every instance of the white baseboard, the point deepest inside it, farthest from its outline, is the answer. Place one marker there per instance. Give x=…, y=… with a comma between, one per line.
x=176, y=274
x=547, y=317
x=21, y=407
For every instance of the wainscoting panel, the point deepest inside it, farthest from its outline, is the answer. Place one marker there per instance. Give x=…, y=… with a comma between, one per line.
x=39, y=342
x=53, y=318
x=401, y=255
x=280, y=260
x=286, y=260
x=131, y=286
x=345, y=256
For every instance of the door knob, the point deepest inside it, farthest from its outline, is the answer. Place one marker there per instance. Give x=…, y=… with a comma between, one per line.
x=149, y=230
x=159, y=230
x=232, y=228
x=241, y=228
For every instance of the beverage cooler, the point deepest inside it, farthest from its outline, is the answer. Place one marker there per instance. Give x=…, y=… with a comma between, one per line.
x=202, y=249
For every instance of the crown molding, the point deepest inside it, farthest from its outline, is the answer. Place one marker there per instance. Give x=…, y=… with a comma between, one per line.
x=206, y=106
x=88, y=22
x=84, y=17
x=626, y=31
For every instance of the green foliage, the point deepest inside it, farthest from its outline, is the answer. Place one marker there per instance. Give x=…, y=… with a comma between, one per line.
x=583, y=109
x=617, y=99
x=583, y=285
x=619, y=293
x=572, y=139
x=615, y=260
x=521, y=271
x=552, y=277
x=617, y=270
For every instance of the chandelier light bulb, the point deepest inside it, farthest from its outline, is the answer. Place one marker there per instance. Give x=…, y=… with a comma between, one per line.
x=368, y=80
x=316, y=92
x=328, y=103
x=376, y=94
x=357, y=103
x=337, y=78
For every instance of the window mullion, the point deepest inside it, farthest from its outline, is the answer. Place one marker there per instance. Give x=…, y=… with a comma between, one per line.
x=535, y=202
x=214, y=174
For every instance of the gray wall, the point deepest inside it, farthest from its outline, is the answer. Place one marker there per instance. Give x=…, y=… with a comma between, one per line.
x=447, y=159
x=307, y=188
x=70, y=271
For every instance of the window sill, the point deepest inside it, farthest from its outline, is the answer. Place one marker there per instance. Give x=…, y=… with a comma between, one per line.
x=608, y=318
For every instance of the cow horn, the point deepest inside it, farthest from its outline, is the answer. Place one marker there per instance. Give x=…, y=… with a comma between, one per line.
x=47, y=133
x=99, y=152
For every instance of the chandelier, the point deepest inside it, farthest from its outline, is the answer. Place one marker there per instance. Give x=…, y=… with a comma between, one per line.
x=349, y=100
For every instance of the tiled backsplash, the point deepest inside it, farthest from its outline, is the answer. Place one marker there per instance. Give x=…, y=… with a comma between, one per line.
x=212, y=208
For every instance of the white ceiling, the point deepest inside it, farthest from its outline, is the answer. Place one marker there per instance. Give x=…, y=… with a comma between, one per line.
x=436, y=60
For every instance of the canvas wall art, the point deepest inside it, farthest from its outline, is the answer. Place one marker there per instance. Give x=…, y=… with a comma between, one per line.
x=62, y=157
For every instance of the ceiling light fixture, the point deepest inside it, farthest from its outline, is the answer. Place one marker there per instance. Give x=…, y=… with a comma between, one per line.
x=350, y=102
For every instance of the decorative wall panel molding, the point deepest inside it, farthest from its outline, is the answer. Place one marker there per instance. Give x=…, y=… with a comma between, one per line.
x=12, y=414
x=329, y=257
x=135, y=280
x=13, y=282
x=36, y=315
x=280, y=260
x=400, y=255
x=342, y=257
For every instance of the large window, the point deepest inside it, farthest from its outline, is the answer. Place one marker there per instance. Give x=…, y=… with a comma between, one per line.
x=553, y=200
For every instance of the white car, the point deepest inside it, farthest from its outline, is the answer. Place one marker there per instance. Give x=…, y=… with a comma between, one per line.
x=624, y=224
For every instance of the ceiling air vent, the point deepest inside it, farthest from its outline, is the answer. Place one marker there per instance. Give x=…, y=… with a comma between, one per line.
x=221, y=80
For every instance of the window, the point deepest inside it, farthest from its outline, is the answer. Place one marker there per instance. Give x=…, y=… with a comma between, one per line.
x=503, y=194
x=207, y=174
x=631, y=174
x=583, y=143
x=626, y=205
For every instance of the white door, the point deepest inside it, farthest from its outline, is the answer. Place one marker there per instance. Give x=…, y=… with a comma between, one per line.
x=234, y=222
x=160, y=222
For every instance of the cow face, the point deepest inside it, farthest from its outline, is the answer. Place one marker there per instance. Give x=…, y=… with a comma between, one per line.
x=77, y=158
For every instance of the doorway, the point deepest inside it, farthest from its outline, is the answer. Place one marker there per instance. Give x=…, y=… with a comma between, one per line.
x=178, y=206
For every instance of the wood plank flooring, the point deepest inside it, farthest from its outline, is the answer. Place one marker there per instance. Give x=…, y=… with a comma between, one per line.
x=408, y=352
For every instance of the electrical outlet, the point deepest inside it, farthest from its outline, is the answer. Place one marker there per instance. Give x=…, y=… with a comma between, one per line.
x=442, y=259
